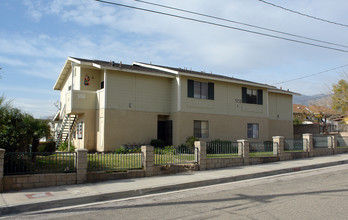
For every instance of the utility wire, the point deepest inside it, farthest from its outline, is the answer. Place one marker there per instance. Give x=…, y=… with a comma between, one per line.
x=306, y=15
x=237, y=22
x=221, y=25
x=303, y=77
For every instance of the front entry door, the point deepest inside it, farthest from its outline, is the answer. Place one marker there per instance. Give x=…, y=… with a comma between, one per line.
x=165, y=132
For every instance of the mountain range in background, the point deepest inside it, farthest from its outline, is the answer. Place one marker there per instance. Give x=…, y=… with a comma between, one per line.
x=320, y=100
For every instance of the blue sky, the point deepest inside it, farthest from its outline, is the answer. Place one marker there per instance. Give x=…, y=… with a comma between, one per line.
x=36, y=37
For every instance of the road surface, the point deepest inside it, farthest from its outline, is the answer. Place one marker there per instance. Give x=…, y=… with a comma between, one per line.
x=314, y=194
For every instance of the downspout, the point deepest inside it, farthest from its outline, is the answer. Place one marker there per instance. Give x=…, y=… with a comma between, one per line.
x=69, y=135
x=105, y=107
x=71, y=102
x=179, y=93
x=105, y=88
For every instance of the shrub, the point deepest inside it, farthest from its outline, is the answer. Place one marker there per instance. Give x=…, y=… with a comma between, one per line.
x=64, y=147
x=121, y=150
x=47, y=147
x=297, y=121
x=166, y=150
x=128, y=150
x=190, y=142
x=157, y=143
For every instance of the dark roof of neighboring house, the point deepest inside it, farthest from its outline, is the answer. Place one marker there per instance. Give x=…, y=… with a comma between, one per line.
x=313, y=109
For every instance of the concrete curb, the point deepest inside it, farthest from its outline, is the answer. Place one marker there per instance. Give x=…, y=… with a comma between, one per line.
x=15, y=209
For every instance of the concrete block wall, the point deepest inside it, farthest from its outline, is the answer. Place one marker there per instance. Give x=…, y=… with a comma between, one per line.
x=17, y=182
x=293, y=155
x=98, y=176
x=215, y=163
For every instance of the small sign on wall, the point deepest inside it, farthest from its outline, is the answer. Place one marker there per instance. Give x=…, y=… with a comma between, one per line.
x=79, y=130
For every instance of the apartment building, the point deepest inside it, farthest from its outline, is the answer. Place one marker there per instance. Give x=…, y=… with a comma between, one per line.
x=104, y=105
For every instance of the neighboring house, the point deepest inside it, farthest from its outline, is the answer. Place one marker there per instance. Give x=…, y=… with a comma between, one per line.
x=314, y=119
x=107, y=105
x=313, y=113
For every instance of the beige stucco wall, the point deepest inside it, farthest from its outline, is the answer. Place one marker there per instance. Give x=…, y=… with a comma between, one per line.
x=95, y=77
x=134, y=127
x=88, y=140
x=224, y=127
x=124, y=127
x=280, y=106
x=281, y=128
x=129, y=113
x=227, y=100
x=136, y=92
x=100, y=128
x=64, y=98
x=84, y=100
x=77, y=78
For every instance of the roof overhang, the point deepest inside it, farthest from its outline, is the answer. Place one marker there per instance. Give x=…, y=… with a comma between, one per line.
x=65, y=71
x=156, y=67
x=240, y=82
x=115, y=68
x=285, y=92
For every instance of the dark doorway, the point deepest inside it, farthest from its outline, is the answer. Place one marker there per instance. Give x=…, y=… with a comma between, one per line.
x=165, y=132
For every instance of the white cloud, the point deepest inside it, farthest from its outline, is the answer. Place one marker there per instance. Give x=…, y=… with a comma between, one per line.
x=44, y=69
x=11, y=62
x=28, y=90
x=125, y=34
x=37, y=107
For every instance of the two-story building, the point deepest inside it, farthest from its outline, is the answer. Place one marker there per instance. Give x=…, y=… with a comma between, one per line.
x=105, y=105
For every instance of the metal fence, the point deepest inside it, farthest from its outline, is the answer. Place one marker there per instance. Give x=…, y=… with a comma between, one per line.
x=17, y=163
x=342, y=141
x=114, y=161
x=258, y=149
x=295, y=145
x=174, y=156
x=222, y=149
x=322, y=142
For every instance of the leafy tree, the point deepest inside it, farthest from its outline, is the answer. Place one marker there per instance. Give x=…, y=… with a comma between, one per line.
x=340, y=96
x=19, y=131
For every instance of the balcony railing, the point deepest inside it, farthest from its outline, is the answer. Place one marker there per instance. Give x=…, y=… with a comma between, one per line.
x=78, y=100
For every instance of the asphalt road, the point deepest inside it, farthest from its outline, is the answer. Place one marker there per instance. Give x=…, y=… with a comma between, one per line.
x=314, y=194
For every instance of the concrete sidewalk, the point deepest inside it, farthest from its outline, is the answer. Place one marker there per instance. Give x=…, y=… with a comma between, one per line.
x=60, y=196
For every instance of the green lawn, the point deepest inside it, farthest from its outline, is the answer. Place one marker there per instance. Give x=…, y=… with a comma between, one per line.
x=261, y=154
x=25, y=163
x=294, y=151
x=221, y=155
x=114, y=162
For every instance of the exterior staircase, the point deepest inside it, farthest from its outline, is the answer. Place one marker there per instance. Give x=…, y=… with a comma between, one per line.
x=68, y=124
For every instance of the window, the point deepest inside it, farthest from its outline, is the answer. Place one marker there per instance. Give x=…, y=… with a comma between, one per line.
x=253, y=130
x=201, y=129
x=200, y=90
x=79, y=128
x=252, y=96
x=102, y=85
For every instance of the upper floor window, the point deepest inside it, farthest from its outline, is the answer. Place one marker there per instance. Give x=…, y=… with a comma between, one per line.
x=252, y=96
x=200, y=90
